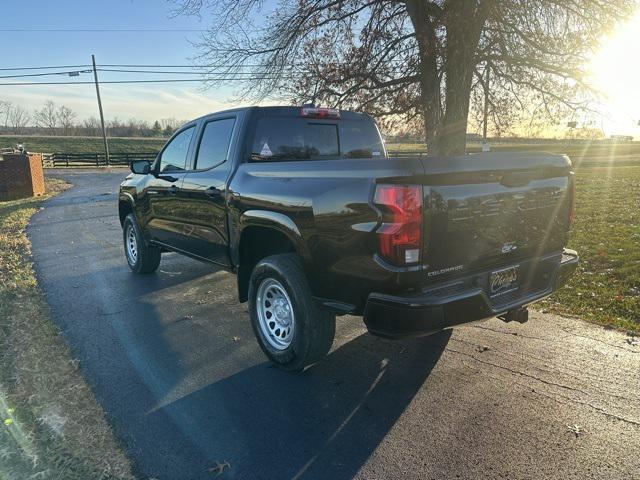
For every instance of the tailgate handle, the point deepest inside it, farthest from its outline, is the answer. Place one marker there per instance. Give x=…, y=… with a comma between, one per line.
x=516, y=179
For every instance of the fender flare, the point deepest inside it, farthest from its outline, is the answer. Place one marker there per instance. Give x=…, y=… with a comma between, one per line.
x=266, y=219
x=126, y=197
x=274, y=220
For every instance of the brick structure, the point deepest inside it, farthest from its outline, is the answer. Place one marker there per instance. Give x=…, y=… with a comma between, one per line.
x=21, y=175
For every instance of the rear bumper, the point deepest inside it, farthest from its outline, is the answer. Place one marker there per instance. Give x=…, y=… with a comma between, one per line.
x=465, y=300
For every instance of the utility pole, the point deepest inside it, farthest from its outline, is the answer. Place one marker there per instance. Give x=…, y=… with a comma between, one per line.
x=104, y=131
x=485, y=143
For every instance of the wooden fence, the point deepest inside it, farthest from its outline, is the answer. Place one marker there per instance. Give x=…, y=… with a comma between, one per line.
x=402, y=153
x=93, y=159
x=50, y=160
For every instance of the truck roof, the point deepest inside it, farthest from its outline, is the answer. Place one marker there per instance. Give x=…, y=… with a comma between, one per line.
x=285, y=110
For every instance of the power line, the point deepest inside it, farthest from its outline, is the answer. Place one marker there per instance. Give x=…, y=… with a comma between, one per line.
x=247, y=65
x=145, y=66
x=205, y=72
x=52, y=67
x=153, y=71
x=233, y=65
x=170, y=80
x=48, y=67
x=45, y=74
x=100, y=30
x=131, y=65
x=224, y=73
x=102, y=82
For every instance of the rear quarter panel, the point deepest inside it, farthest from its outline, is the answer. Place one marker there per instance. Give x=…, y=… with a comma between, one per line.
x=329, y=201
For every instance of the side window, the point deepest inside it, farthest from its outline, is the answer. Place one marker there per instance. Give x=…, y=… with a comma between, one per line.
x=174, y=156
x=214, y=144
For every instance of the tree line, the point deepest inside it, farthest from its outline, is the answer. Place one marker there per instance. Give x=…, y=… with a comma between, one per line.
x=60, y=120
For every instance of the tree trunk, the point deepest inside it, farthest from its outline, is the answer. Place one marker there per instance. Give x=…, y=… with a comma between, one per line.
x=429, y=80
x=451, y=137
x=464, y=20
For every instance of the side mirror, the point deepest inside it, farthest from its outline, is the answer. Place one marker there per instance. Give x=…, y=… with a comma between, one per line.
x=141, y=167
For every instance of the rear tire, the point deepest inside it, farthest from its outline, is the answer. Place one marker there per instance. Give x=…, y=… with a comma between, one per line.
x=291, y=328
x=142, y=258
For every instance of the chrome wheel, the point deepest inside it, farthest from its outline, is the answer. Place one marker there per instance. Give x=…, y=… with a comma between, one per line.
x=275, y=314
x=131, y=244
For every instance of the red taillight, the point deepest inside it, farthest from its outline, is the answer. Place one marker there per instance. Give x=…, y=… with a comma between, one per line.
x=572, y=198
x=400, y=235
x=317, y=112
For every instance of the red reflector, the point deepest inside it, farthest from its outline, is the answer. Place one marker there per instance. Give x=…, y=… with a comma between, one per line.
x=317, y=112
x=400, y=235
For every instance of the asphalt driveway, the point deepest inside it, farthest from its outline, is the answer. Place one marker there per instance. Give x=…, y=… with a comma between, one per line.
x=172, y=360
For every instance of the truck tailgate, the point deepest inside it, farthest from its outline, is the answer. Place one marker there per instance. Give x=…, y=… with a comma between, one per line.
x=494, y=209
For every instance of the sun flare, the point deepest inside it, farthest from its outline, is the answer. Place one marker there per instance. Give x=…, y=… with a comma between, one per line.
x=615, y=71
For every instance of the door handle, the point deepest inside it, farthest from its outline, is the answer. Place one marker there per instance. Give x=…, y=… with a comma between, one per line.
x=213, y=192
x=172, y=190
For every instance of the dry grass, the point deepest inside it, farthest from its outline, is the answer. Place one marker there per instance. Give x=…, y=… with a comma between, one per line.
x=50, y=423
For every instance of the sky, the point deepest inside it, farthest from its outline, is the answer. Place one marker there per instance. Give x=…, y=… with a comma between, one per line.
x=145, y=101
x=615, y=69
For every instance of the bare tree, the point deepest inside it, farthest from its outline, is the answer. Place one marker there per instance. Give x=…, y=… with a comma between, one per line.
x=5, y=108
x=66, y=117
x=170, y=125
x=47, y=117
x=411, y=61
x=18, y=118
x=91, y=126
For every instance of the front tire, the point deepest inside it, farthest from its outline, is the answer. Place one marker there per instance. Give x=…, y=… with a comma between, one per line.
x=142, y=258
x=291, y=328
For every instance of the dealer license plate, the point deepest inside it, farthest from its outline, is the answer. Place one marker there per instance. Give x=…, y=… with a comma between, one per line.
x=505, y=280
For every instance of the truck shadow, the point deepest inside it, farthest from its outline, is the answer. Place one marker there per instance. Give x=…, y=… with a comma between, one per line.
x=182, y=394
x=324, y=423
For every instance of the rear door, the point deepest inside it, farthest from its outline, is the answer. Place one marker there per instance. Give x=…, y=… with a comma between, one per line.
x=166, y=205
x=206, y=232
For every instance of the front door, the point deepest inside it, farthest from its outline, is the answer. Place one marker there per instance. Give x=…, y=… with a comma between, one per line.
x=205, y=225
x=166, y=203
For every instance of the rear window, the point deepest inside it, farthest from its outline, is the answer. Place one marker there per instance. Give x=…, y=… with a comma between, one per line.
x=286, y=138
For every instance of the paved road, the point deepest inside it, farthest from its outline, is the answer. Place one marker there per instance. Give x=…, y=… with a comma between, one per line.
x=172, y=359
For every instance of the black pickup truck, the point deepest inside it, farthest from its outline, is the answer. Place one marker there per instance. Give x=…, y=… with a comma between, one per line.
x=316, y=220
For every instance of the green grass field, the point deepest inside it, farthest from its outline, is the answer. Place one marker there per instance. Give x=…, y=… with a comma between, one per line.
x=83, y=144
x=606, y=234
x=582, y=155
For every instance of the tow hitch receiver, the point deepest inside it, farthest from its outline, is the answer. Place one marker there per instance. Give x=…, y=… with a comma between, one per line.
x=520, y=315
